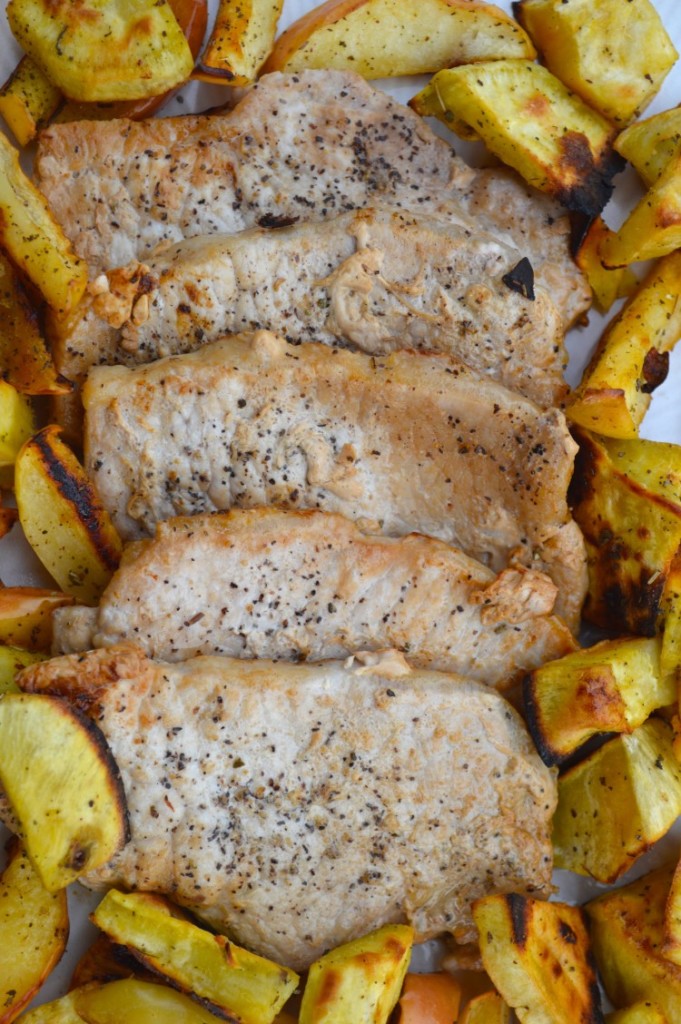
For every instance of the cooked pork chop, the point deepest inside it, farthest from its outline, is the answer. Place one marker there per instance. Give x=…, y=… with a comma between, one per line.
x=403, y=443
x=298, y=147
x=378, y=279
x=300, y=806
x=311, y=585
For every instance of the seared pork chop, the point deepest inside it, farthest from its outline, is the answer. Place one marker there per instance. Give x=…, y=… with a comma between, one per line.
x=311, y=585
x=297, y=147
x=300, y=806
x=403, y=443
x=379, y=279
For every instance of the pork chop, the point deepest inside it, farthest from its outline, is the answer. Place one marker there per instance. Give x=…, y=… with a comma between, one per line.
x=311, y=585
x=403, y=443
x=297, y=147
x=378, y=279
x=299, y=806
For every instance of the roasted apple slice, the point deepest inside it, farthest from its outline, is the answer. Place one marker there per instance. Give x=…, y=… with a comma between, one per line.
x=63, y=786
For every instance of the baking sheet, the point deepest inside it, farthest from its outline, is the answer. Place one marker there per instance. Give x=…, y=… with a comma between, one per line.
x=662, y=423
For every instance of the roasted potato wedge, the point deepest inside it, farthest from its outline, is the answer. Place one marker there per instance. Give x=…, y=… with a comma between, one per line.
x=670, y=614
x=133, y=1001
x=379, y=38
x=607, y=284
x=37, y=922
x=614, y=55
x=672, y=919
x=26, y=616
x=63, y=787
x=59, y=1011
x=25, y=362
x=12, y=660
x=105, y=961
x=242, y=37
x=33, y=239
x=610, y=687
x=640, y=1013
x=224, y=976
x=538, y=956
x=28, y=100
x=359, y=981
x=16, y=423
x=627, y=931
x=532, y=122
x=62, y=517
x=616, y=803
x=632, y=356
x=653, y=228
x=488, y=1008
x=649, y=145
x=103, y=50
x=626, y=497
x=429, y=999
x=192, y=17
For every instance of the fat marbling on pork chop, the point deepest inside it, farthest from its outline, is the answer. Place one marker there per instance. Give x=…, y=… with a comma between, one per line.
x=300, y=806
